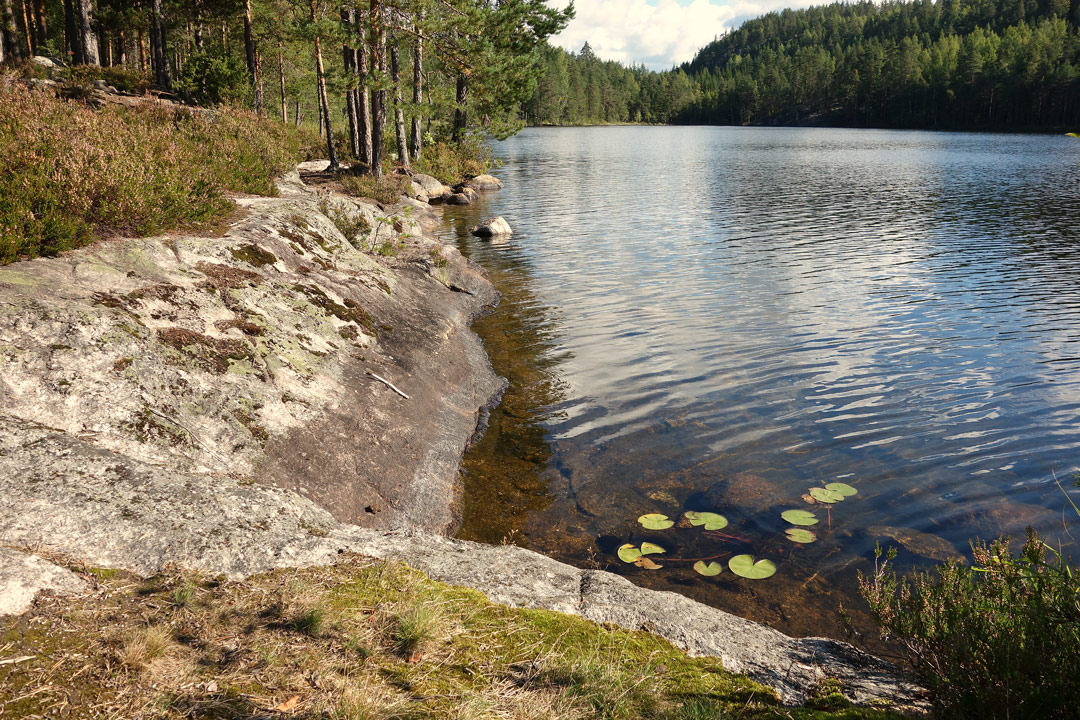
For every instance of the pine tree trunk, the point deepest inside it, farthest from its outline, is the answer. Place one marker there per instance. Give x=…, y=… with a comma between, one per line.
x=39, y=23
x=348, y=19
x=196, y=14
x=399, y=112
x=28, y=28
x=363, y=96
x=71, y=34
x=252, y=61
x=281, y=81
x=320, y=79
x=12, y=51
x=158, y=51
x=378, y=97
x=123, y=48
x=142, y=50
x=87, y=37
x=418, y=90
x=460, y=118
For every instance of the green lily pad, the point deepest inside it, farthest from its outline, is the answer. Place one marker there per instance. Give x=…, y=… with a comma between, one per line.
x=800, y=535
x=708, y=569
x=711, y=520
x=628, y=553
x=655, y=521
x=825, y=496
x=841, y=489
x=799, y=517
x=744, y=566
x=648, y=548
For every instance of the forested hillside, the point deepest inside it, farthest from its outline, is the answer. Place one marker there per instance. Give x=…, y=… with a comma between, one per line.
x=581, y=89
x=993, y=64
x=949, y=64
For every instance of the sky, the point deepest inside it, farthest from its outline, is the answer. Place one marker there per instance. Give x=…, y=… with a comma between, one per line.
x=658, y=33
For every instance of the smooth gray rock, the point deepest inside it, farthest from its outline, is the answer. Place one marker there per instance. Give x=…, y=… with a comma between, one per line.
x=485, y=182
x=65, y=495
x=431, y=187
x=495, y=227
x=23, y=576
x=46, y=62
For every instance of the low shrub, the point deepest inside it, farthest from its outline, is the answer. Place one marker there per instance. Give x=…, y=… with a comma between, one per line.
x=999, y=639
x=69, y=173
x=387, y=190
x=451, y=163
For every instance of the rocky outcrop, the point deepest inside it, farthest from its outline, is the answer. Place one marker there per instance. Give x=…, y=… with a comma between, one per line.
x=65, y=494
x=23, y=576
x=253, y=355
x=224, y=404
x=495, y=227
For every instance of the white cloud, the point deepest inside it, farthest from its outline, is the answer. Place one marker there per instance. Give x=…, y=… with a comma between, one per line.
x=660, y=33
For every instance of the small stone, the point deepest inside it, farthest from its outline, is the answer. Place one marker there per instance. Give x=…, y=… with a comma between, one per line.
x=496, y=226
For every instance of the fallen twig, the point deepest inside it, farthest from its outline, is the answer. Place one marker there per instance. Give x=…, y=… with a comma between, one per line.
x=388, y=384
x=12, y=661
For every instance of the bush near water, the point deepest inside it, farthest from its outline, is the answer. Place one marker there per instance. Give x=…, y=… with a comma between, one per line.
x=996, y=640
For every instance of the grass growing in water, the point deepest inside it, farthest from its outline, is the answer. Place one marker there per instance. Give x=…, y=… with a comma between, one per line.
x=69, y=173
x=237, y=652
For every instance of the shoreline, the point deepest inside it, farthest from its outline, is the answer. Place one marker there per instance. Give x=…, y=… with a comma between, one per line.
x=199, y=402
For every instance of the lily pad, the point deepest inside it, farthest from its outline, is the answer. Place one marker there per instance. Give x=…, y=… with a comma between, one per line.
x=800, y=535
x=744, y=566
x=655, y=521
x=825, y=496
x=711, y=520
x=841, y=489
x=648, y=548
x=799, y=517
x=708, y=569
x=648, y=564
x=628, y=553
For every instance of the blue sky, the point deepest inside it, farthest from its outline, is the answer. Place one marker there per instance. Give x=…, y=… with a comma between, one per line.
x=658, y=33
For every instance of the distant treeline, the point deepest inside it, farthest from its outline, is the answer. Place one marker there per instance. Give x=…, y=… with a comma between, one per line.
x=993, y=64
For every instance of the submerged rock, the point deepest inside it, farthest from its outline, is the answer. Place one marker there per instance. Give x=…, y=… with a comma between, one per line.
x=495, y=227
x=920, y=543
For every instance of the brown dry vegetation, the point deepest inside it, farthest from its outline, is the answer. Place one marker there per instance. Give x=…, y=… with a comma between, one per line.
x=70, y=173
x=362, y=639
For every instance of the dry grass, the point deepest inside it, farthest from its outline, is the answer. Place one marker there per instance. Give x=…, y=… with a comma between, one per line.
x=388, y=644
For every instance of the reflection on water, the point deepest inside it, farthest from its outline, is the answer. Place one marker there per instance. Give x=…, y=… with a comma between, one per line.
x=720, y=318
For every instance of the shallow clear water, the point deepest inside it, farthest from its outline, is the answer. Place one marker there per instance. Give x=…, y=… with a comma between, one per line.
x=721, y=318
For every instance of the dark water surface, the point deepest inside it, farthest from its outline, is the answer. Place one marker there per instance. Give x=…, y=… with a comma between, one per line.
x=721, y=318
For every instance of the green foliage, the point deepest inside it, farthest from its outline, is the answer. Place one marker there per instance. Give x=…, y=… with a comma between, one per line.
x=129, y=80
x=450, y=163
x=212, y=79
x=310, y=621
x=183, y=596
x=963, y=64
x=999, y=639
x=69, y=173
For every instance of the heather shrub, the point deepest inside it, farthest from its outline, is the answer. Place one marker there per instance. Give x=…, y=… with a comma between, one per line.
x=69, y=173
x=452, y=163
x=998, y=639
x=387, y=189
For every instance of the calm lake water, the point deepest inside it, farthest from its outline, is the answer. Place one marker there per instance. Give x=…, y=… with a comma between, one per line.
x=722, y=318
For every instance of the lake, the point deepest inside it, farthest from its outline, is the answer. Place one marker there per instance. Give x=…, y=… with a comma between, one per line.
x=719, y=319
